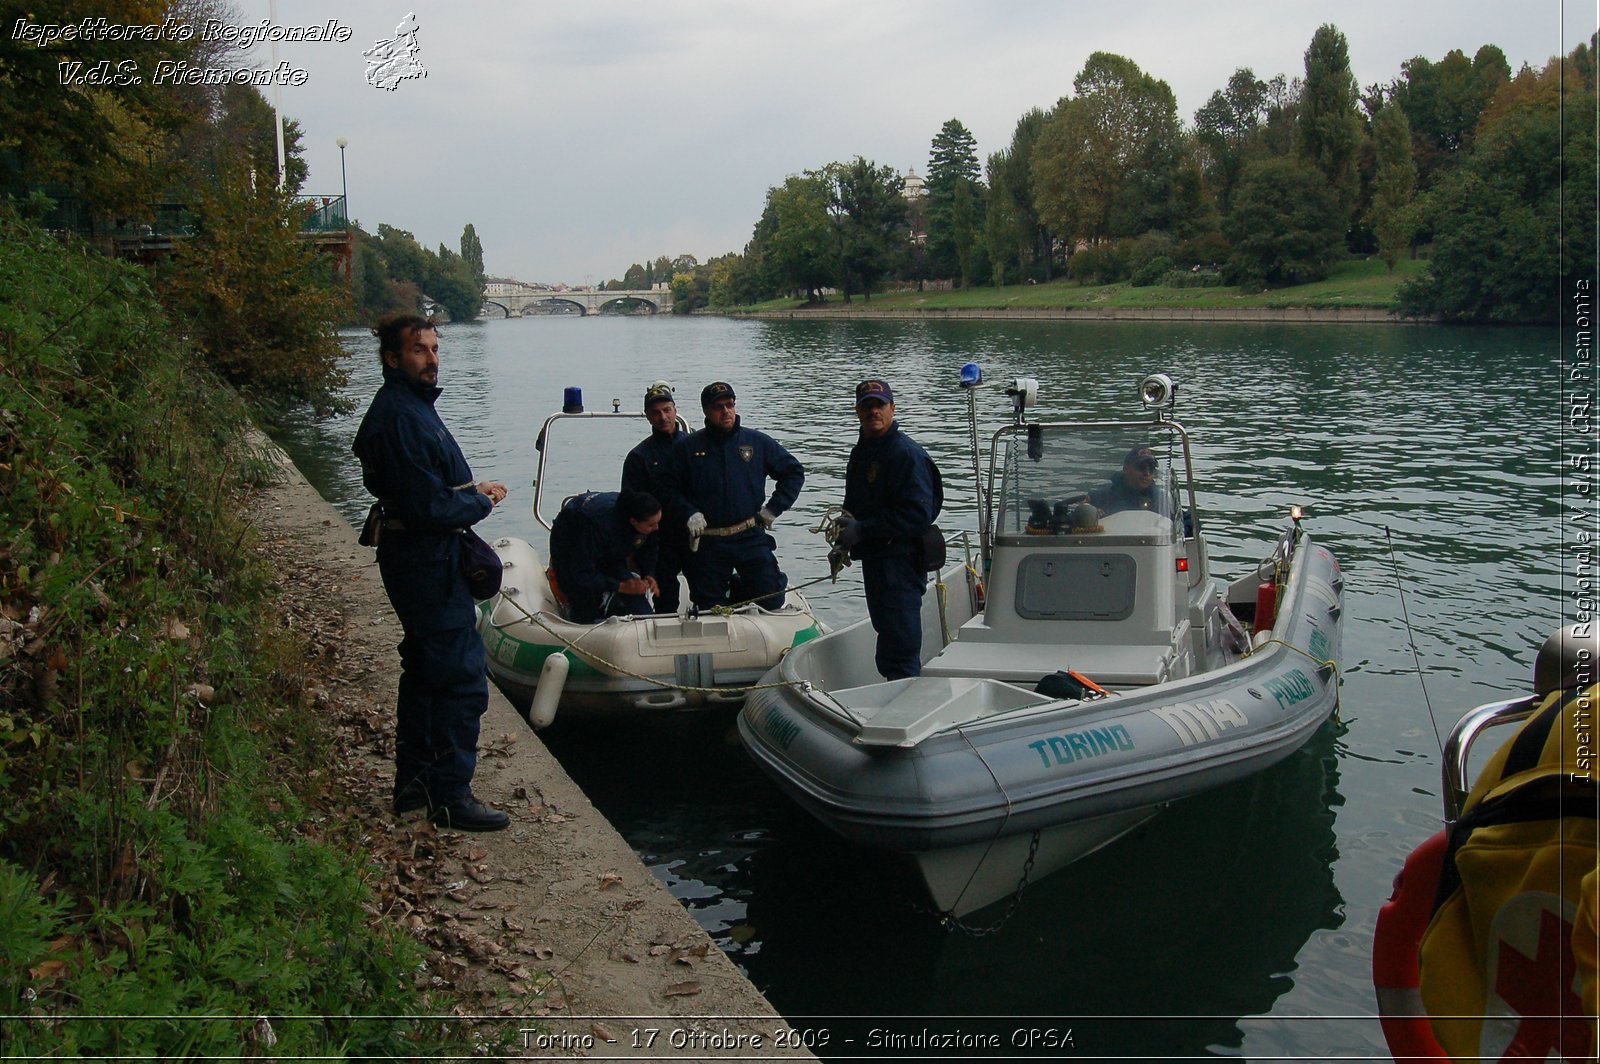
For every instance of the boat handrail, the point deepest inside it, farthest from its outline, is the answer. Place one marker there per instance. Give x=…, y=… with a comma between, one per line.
x=1458, y=746
x=544, y=452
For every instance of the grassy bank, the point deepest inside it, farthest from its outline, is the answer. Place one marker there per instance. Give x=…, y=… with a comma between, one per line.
x=162, y=860
x=1353, y=283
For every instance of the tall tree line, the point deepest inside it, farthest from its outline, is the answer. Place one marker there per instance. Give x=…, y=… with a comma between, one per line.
x=1271, y=183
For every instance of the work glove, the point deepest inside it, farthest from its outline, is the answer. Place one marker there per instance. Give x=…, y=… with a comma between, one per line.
x=766, y=517
x=849, y=533
x=697, y=525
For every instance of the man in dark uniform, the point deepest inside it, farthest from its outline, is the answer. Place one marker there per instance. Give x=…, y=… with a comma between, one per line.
x=892, y=493
x=412, y=464
x=603, y=551
x=719, y=477
x=1134, y=488
x=648, y=468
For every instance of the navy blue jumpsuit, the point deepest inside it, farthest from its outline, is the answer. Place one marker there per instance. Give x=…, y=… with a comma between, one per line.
x=593, y=548
x=723, y=475
x=648, y=468
x=412, y=464
x=892, y=487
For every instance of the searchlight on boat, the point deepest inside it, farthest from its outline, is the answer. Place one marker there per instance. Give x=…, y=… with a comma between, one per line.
x=1024, y=392
x=1157, y=391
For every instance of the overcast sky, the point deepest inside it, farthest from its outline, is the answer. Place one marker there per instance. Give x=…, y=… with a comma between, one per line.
x=580, y=137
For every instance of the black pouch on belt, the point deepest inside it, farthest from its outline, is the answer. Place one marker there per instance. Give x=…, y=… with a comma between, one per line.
x=372, y=528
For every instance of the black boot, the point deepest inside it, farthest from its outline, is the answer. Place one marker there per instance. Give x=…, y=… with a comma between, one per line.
x=468, y=814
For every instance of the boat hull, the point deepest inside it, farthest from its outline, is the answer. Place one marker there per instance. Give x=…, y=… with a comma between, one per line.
x=654, y=664
x=990, y=762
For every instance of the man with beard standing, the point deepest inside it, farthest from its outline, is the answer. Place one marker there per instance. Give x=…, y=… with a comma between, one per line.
x=426, y=496
x=719, y=476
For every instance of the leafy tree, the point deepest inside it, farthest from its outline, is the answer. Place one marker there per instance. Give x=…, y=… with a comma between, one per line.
x=1228, y=127
x=869, y=210
x=1107, y=160
x=691, y=290
x=1287, y=226
x=800, y=247
x=68, y=137
x=1444, y=101
x=452, y=283
x=404, y=258
x=1013, y=182
x=260, y=303
x=1329, y=122
x=952, y=159
x=472, y=253
x=1391, y=216
x=1514, y=224
x=1003, y=233
x=243, y=127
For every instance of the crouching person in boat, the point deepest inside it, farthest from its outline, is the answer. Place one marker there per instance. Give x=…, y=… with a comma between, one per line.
x=719, y=478
x=603, y=554
x=892, y=495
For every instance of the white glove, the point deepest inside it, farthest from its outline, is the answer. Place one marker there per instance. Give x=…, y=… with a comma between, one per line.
x=766, y=517
x=697, y=525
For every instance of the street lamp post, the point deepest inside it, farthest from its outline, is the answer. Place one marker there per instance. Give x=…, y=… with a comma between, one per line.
x=344, y=188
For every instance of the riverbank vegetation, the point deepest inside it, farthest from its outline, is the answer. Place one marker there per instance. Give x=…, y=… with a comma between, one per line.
x=163, y=852
x=1473, y=186
x=176, y=876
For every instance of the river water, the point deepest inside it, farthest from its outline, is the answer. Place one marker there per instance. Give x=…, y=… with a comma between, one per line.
x=1238, y=923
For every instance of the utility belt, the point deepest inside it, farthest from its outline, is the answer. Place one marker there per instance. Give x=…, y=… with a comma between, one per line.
x=376, y=525
x=731, y=530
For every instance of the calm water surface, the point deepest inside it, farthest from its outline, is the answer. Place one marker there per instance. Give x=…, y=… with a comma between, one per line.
x=1237, y=923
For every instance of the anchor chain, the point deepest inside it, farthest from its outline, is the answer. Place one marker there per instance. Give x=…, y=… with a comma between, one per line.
x=951, y=922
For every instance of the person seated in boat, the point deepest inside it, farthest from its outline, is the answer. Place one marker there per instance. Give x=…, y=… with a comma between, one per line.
x=1135, y=488
x=719, y=478
x=647, y=468
x=603, y=554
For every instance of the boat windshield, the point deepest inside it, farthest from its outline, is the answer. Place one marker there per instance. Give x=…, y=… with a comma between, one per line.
x=573, y=446
x=1068, y=479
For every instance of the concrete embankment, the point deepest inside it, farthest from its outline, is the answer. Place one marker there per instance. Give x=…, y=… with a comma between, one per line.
x=1265, y=315
x=553, y=932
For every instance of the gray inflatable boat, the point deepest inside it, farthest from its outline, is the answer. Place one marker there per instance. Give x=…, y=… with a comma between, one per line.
x=1081, y=670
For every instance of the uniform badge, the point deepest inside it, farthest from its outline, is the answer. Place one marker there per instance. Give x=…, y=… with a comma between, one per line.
x=872, y=473
x=747, y=451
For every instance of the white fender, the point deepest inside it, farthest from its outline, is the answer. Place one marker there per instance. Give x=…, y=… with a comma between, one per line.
x=552, y=678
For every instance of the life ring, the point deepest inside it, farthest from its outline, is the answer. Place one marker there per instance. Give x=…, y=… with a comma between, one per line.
x=1396, y=974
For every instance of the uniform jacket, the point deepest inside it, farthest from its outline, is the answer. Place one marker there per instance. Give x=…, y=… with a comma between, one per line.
x=1118, y=495
x=648, y=467
x=892, y=487
x=724, y=475
x=412, y=464
x=594, y=547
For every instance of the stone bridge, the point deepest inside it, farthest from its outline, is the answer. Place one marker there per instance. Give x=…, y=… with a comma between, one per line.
x=515, y=298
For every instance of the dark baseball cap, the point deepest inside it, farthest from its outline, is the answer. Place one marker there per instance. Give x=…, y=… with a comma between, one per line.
x=874, y=391
x=659, y=392
x=1139, y=456
x=716, y=392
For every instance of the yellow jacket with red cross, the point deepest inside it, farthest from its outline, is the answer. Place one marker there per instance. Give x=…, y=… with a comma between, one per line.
x=1508, y=961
